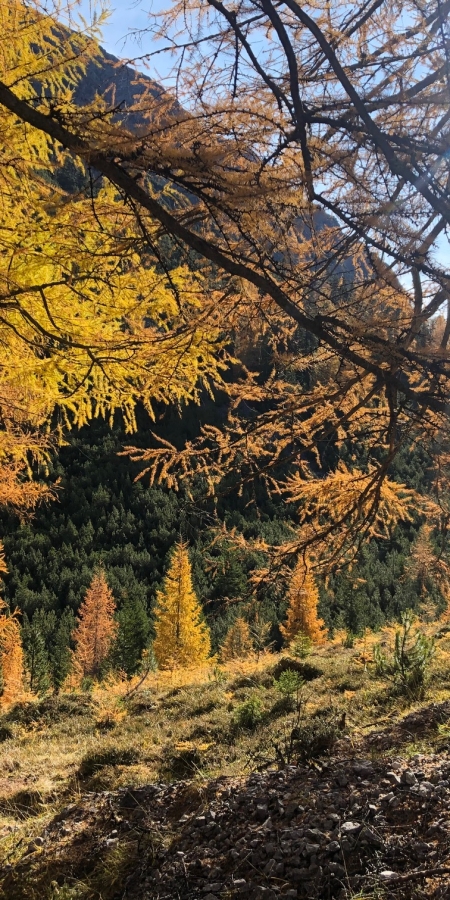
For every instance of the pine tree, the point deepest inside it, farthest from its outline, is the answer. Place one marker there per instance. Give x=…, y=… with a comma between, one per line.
x=36, y=656
x=238, y=641
x=61, y=656
x=302, y=610
x=132, y=636
x=95, y=629
x=181, y=637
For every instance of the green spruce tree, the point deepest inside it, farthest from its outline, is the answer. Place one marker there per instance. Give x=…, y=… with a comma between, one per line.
x=61, y=656
x=36, y=656
x=132, y=636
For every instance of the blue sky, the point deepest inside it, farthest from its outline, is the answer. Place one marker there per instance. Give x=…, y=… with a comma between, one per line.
x=128, y=15
x=124, y=16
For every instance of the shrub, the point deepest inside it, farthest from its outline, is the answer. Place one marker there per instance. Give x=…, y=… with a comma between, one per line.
x=306, y=740
x=290, y=684
x=255, y=680
x=24, y=803
x=315, y=738
x=142, y=703
x=307, y=671
x=301, y=646
x=110, y=756
x=411, y=657
x=218, y=675
x=186, y=760
x=49, y=710
x=249, y=715
x=349, y=640
x=6, y=733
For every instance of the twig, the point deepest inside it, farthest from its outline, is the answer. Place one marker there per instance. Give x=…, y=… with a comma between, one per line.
x=138, y=685
x=424, y=873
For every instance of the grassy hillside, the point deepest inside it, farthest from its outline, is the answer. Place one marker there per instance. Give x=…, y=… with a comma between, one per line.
x=188, y=730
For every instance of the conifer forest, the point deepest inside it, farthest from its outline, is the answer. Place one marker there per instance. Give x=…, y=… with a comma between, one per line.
x=225, y=450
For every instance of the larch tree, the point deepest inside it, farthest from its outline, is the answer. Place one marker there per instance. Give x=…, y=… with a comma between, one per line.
x=11, y=650
x=426, y=565
x=96, y=628
x=181, y=635
x=12, y=661
x=11, y=657
x=302, y=615
x=301, y=153
x=238, y=641
x=91, y=320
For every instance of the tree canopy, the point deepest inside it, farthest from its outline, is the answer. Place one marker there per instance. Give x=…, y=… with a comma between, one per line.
x=304, y=170
x=89, y=324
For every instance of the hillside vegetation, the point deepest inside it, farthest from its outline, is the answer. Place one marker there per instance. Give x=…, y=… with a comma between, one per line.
x=62, y=832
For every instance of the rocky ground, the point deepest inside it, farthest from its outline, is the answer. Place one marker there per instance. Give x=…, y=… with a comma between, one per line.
x=365, y=822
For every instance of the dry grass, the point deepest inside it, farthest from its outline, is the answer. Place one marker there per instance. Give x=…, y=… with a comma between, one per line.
x=182, y=725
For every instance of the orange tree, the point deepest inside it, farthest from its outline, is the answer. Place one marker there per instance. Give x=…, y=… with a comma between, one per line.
x=11, y=652
x=238, y=641
x=302, y=618
x=95, y=629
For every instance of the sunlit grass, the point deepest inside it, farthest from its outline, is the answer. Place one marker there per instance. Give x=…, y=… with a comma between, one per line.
x=186, y=724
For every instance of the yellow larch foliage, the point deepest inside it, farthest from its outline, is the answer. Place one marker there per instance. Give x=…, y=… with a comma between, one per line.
x=11, y=658
x=238, y=641
x=11, y=651
x=95, y=629
x=182, y=638
x=88, y=326
x=426, y=565
x=302, y=610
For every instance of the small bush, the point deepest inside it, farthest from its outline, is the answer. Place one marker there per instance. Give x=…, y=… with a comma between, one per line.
x=410, y=660
x=256, y=679
x=281, y=707
x=26, y=803
x=141, y=703
x=6, y=733
x=218, y=675
x=307, y=671
x=301, y=646
x=249, y=715
x=315, y=738
x=108, y=721
x=186, y=760
x=351, y=683
x=289, y=683
x=49, y=710
x=110, y=756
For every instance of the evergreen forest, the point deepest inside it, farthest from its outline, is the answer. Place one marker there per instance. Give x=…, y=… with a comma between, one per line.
x=104, y=517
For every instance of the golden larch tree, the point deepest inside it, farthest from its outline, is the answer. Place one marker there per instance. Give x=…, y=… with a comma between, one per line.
x=181, y=636
x=302, y=610
x=95, y=629
x=238, y=641
x=11, y=657
x=268, y=167
x=86, y=328
x=11, y=651
x=426, y=565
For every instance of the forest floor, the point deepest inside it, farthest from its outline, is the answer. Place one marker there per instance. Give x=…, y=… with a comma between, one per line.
x=215, y=784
